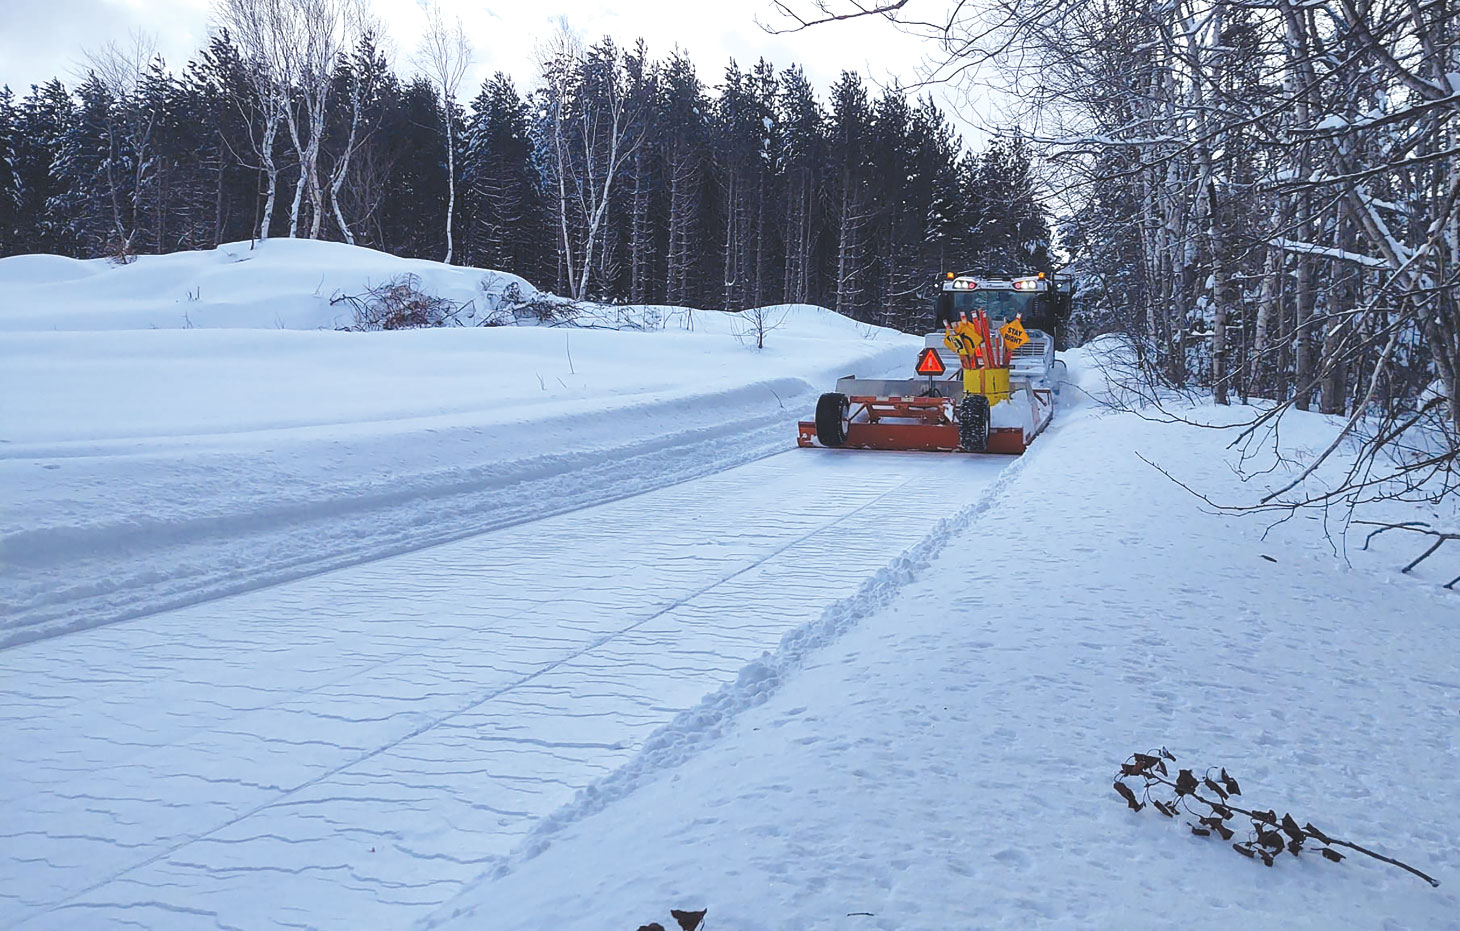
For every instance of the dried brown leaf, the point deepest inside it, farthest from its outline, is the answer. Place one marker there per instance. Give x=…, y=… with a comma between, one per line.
x=1185, y=783
x=1290, y=828
x=1129, y=796
x=1230, y=783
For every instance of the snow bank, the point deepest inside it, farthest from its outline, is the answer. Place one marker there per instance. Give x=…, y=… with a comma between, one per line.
x=282, y=284
x=147, y=468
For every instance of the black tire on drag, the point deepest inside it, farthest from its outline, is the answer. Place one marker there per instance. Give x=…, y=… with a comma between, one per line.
x=831, y=419
x=973, y=423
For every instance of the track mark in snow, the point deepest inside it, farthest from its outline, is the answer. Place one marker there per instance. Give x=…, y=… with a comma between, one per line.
x=423, y=728
x=695, y=727
x=427, y=709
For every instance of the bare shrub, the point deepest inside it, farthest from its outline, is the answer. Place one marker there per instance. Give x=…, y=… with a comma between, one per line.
x=119, y=250
x=400, y=304
x=541, y=308
x=753, y=323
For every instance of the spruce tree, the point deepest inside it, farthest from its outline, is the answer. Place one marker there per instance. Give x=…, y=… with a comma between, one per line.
x=683, y=139
x=413, y=204
x=849, y=183
x=1014, y=235
x=737, y=140
x=9, y=180
x=45, y=117
x=802, y=160
x=503, y=206
x=92, y=170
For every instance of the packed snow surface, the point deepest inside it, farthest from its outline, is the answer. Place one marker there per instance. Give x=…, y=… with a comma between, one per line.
x=351, y=749
x=947, y=761
x=657, y=657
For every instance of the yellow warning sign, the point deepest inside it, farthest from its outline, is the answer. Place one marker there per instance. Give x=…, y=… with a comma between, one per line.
x=1014, y=335
x=963, y=338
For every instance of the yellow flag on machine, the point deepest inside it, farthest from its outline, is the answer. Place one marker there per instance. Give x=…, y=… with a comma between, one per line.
x=1013, y=333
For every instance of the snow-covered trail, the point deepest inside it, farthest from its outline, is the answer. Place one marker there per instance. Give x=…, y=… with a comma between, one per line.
x=350, y=749
x=947, y=762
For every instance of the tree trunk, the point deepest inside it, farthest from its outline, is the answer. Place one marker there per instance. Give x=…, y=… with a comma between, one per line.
x=450, y=179
x=1334, y=381
x=1221, y=294
x=639, y=244
x=732, y=235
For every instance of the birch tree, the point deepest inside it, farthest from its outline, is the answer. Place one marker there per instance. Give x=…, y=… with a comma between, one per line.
x=590, y=135
x=321, y=31
x=121, y=69
x=360, y=75
x=444, y=55
x=265, y=35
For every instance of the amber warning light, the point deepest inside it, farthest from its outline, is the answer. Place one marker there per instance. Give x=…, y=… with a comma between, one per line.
x=929, y=364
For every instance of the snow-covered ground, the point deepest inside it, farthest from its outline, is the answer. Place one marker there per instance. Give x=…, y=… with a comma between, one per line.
x=658, y=657
x=947, y=761
x=360, y=744
x=145, y=469
x=281, y=284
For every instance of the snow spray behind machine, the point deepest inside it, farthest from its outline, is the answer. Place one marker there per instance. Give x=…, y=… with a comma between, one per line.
x=988, y=380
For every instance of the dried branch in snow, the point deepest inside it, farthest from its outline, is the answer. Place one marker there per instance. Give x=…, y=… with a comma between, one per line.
x=1209, y=801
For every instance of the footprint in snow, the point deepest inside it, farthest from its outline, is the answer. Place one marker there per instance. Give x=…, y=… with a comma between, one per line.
x=1015, y=858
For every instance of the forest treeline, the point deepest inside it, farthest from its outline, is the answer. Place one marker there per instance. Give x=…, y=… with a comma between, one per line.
x=617, y=177
x=1263, y=193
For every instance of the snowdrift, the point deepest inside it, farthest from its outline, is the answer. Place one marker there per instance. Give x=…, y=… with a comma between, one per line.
x=279, y=284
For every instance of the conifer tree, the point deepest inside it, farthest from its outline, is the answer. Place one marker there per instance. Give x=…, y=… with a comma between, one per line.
x=9, y=180
x=45, y=117
x=503, y=204
x=621, y=178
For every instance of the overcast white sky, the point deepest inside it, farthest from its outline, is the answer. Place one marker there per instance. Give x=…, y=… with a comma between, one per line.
x=40, y=39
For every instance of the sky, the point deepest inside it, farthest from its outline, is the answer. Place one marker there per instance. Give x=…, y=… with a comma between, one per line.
x=40, y=39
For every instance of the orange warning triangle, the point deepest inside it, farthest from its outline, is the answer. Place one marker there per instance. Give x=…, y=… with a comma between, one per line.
x=929, y=363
